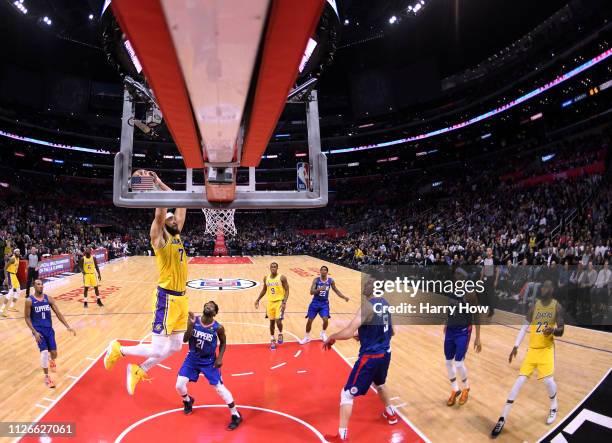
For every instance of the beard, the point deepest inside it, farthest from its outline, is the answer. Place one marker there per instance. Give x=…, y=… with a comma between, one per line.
x=172, y=230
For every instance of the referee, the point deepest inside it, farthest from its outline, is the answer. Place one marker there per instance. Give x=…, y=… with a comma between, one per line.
x=33, y=265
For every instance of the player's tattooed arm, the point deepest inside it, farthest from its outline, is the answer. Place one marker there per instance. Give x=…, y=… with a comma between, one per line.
x=157, y=228
x=558, y=330
x=26, y=314
x=264, y=288
x=60, y=316
x=338, y=292
x=222, y=343
x=190, y=325
x=179, y=215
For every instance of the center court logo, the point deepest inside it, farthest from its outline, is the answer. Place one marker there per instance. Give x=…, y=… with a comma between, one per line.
x=222, y=284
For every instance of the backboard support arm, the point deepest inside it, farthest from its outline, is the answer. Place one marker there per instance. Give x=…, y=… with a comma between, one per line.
x=194, y=196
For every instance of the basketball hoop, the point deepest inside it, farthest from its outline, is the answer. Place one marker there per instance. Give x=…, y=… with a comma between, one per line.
x=219, y=221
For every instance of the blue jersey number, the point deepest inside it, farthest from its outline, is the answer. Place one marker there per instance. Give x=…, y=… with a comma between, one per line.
x=181, y=251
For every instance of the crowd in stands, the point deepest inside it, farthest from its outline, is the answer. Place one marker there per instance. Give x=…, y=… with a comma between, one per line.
x=561, y=224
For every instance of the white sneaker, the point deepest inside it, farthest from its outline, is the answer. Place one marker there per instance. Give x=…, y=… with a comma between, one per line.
x=552, y=415
x=323, y=336
x=304, y=340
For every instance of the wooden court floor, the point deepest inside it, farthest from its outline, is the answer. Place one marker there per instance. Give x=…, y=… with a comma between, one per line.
x=417, y=376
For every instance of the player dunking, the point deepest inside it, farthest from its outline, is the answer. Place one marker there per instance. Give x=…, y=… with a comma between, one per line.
x=545, y=321
x=276, y=287
x=170, y=303
x=202, y=334
x=37, y=314
x=457, y=332
x=320, y=302
x=89, y=266
x=12, y=295
x=375, y=328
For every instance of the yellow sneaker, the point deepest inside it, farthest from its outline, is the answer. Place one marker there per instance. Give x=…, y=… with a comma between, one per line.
x=465, y=392
x=113, y=353
x=135, y=374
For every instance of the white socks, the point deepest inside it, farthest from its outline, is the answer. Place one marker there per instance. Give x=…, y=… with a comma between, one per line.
x=552, y=392
x=513, y=394
x=452, y=376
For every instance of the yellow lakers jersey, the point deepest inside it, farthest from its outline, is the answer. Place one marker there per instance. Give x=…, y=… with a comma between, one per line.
x=172, y=264
x=274, y=288
x=543, y=317
x=12, y=267
x=88, y=265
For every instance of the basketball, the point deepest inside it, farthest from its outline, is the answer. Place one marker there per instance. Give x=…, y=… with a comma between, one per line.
x=306, y=221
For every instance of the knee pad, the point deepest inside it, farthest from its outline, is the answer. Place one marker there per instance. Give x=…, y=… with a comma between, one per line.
x=346, y=398
x=224, y=393
x=181, y=385
x=44, y=359
x=160, y=345
x=459, y=364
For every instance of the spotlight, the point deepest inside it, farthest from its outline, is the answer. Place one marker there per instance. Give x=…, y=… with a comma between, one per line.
x=393, y=19
x=18, y=4
x=91, y=17
x=346, y=21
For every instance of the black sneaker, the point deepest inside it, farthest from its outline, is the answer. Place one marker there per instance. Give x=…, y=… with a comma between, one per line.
x=236, y=420
x=99, y=302
x=498, y=427
x=85, y=304
x=188, y=406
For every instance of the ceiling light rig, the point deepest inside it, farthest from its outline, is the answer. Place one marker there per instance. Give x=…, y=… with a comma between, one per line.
x=18, y=5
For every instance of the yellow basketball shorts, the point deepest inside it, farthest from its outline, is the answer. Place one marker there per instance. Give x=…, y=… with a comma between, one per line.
x=542, y=359
x=90, y=280
x=14, y=281
x=274, y=310
x=170, y=312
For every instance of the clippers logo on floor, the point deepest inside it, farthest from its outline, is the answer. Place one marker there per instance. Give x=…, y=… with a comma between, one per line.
x=222, y=284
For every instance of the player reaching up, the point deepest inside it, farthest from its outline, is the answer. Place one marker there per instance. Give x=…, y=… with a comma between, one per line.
x=545, y=321
x=203, y=334
x=170, y=302
x=276, y=287
x=374, y=326
x=320, y=302
x=37, y=314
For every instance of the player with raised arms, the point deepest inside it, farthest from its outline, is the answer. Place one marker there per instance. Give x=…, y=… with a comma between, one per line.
x=372, y=326
x=320, y=302
x=203, y=334
x=276, y=287
x=37, y=315
x=545, y=321
x=170, y=302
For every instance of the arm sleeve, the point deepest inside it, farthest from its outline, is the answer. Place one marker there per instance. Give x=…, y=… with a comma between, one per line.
x=521, y=334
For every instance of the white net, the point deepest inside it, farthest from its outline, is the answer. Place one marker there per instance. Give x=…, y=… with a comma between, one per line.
x=219, y=221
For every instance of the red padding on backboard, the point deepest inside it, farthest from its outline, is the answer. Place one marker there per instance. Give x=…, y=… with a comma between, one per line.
x=291, y=24
x=144, y=23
